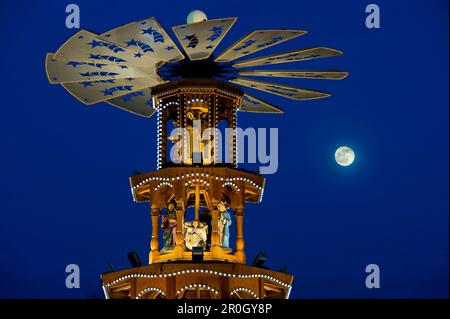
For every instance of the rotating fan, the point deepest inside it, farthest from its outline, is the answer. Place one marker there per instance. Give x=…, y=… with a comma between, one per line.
x=122, y=66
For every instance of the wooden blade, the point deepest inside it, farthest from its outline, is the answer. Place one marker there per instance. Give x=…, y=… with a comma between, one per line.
x=256, y=41
x=138, y=102
x=147, y=37
x=290, y=92
x=200, y=39
x=97, y=91
x=328, y=75
x=292, y=56
x=255, y=105
x=86, y=47
x=73, y=71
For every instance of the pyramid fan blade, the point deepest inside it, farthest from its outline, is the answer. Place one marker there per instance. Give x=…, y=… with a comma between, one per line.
x=138, y=102
x=256, y=41
x=72, y=71
x=292, y=56
x=255, y=105
x=86, y=47
x=148, y=37
x=328, y=75
x=97, y=91
x=201, y=38
x=290, y=92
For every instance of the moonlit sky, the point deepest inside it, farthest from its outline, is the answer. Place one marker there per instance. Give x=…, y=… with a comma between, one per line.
x=65, y=195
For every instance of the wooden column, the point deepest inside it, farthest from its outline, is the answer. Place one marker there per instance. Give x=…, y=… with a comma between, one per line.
x=225, y=288
x=240, y=244
x=179, y=248
x=154, y=243
x=197, y=202
x=163, y=139
x=261, y=293
x=215, y=245
x=170, y=287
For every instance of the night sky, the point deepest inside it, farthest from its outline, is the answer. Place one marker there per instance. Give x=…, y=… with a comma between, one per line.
x=65, y=195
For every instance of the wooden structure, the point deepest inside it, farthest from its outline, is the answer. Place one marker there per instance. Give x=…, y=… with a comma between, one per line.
x=192, y=174
x=206, y=280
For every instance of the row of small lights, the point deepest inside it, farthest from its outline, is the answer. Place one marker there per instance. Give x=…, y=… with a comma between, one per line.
x=170, y=92
x=232, y=185
x=182, y=272
x=170, y=103
x=158, y=138
x=201, y=181
x=143, y=292
x=163, y=184
x=166, y=183
x=194, y=100
x=167, y=179
x=245, y=290
x=216, y=140
x=160, y=107
x=198, y=286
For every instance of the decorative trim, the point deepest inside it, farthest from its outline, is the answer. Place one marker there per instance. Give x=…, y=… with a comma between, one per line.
x=244, y=290
x=215, y=291
x=148, y=289
x=188, y=271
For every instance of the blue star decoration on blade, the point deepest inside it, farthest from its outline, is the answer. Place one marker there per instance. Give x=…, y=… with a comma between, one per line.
x=170, y=48
x=107, y=92
x=272, y=41
x=95, y=43
x=132, y=42
x=74, y=63
x=217, y=32
x=107, y=45
x=87, y=83
x=143, y=46
x=157, y=36
x=112, y=90
x=138, y=55
x=193, y=40
x=244, y=45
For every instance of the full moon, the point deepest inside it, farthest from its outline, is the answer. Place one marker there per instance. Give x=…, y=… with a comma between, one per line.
x=344, y=156
x=196, y=16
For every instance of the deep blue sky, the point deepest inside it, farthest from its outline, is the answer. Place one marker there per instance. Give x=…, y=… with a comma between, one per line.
x=65, y=194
